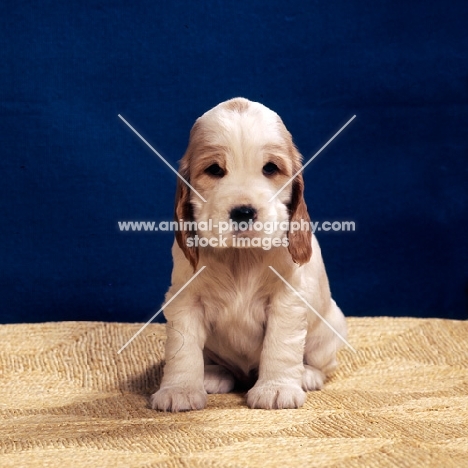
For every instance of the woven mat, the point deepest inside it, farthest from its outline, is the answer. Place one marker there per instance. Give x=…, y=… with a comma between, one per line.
x=67, y=399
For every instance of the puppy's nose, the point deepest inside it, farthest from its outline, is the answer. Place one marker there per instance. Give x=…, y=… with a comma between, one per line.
x=243, y=213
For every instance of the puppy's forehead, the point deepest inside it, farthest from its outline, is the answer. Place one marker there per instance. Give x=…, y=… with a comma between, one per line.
x=242, y=124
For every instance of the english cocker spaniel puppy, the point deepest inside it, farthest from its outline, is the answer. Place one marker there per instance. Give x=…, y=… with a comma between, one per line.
x=244, y=318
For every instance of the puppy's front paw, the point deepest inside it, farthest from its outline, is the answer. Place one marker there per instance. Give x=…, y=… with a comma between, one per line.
x=275, y=396
x=218, y=379
x=178, y=399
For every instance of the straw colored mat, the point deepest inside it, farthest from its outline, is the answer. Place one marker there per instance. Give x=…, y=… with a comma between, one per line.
x=67, y=399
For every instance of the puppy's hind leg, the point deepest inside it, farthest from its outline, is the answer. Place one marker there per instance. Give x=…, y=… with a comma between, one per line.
x=218, y=379
x=322, y=344
x=312, y=378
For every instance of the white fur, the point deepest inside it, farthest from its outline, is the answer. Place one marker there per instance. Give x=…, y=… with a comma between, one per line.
x=237, y=308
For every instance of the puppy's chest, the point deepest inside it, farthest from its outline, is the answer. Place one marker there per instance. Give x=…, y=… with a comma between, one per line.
x=236, y=315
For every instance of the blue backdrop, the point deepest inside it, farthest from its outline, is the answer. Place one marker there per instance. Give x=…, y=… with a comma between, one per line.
x=71, y=169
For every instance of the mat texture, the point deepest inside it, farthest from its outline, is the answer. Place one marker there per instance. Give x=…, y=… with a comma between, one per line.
x=68, y=399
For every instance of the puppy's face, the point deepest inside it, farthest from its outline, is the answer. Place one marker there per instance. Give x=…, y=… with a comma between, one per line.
x=239, y=156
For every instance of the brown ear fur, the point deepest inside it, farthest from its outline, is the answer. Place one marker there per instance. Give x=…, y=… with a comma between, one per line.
x=300, y=246
x=184, y=211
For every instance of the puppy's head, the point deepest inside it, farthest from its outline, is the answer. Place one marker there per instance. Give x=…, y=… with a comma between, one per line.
x=239, y=156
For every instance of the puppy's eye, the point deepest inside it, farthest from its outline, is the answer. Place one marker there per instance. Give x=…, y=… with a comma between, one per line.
x=270, y=169
x=215, y=170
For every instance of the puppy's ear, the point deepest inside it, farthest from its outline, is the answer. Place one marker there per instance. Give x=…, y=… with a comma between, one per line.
x=300, y=246
x=184, y=211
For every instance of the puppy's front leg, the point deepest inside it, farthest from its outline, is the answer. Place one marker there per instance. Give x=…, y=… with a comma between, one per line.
x=182, y=386
x=281, y=362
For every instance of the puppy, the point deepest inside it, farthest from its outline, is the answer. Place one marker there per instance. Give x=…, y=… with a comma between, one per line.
x=240, y=320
